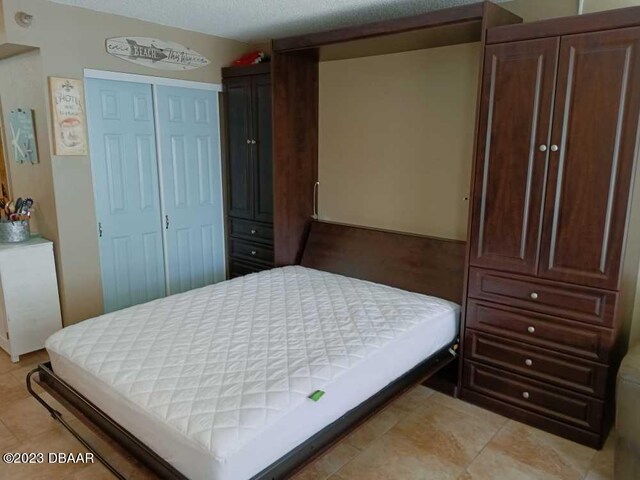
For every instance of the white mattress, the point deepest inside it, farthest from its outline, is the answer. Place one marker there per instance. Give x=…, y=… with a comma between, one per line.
x=216, y=380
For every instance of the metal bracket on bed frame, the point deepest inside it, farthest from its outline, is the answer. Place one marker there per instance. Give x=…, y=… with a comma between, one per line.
x=56, y=415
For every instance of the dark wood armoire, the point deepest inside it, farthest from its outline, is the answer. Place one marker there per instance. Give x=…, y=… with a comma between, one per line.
x=555, y=156
x=249, y=169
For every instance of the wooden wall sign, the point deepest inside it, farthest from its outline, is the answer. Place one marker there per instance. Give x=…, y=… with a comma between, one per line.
x=23, y=136
x=69, y=119
x=154, y=53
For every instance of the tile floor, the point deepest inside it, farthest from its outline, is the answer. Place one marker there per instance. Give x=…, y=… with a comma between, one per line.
x=422, y=435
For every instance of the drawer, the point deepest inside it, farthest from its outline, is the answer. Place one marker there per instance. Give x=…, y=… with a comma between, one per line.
x=568, y=301
x=558, y=369
x=254, y=231
x=552, y=402
x=251, y=251
x=238, y=268
x=542, y=330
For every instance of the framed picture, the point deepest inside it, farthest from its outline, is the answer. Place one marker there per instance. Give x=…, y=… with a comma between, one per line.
x=69, y=118
x=23, y=136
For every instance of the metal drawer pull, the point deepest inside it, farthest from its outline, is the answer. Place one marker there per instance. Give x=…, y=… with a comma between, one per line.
x=525, y=394
x=253, y=231
x=542, y=148
x=528, y=362
x=531, y=330
x=253, y=252
x=534, y=296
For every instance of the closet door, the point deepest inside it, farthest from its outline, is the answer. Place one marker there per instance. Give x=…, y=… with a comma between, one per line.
x=263, y=168
x=594, y=137
x=512, y=154
x=125, y=179
x=240, y=174
x=188, y=140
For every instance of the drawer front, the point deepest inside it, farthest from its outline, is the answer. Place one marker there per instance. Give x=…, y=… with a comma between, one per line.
x=542, y=330
x=238, y=268
x=568, y=301
x=254, y=231
x=552, y=402
x=562, y=370
x=251, y=251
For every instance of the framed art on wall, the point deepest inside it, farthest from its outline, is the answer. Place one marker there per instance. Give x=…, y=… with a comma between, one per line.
x=69, y=118
x=23, y=136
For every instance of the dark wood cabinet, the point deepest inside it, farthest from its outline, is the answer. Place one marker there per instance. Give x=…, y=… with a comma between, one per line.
x=556, y=147
x=517, y=94
x=249, y=168
x=594, y=128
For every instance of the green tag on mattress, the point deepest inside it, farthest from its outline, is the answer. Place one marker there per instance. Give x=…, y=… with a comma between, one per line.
x=317, y=395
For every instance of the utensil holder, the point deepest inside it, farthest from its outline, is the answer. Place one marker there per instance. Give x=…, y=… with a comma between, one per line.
x=14, y=232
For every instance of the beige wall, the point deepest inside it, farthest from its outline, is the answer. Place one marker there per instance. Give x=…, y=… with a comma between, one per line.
x=391, y=156
x=70, y=39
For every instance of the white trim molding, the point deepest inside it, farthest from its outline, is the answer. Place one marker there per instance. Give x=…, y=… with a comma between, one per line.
x=148, y=79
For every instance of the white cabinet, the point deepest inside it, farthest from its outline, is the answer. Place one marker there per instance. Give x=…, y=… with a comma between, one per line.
x=29, y=303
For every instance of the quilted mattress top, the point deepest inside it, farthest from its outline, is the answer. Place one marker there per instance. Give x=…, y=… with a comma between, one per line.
x=222, y=363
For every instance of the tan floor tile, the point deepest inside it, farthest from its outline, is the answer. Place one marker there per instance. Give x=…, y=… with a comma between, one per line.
x=453, y=436
x=329, y=463
x=27, y=418
x=601, y=467
x=6, y=365
x=11, y=390
x=49, y=442
x=375, y=427
x=94, y=472
x=468, y=409
x=7, y=439
x=396, y=457
x=520, y=451
x=414, y=399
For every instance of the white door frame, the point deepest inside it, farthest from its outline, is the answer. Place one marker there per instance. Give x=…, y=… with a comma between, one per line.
x=170, y=82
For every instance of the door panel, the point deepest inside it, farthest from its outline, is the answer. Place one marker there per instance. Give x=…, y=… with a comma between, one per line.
x=240, y=168
x=188, y=132
x=125, y=177
x=595, y=125
x=262, y=149
x=516, y=104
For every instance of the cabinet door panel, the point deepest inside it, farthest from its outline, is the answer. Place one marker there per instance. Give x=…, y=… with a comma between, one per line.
x=510, y=168
x=263, y=202
x=240, y=167
x=595, y=125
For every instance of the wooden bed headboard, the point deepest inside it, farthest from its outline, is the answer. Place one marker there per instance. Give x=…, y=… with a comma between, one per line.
x=415, y=263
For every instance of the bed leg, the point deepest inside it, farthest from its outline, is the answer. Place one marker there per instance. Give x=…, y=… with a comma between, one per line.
x=58, y=416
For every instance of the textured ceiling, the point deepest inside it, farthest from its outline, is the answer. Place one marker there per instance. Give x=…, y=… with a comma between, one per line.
x=259, y=20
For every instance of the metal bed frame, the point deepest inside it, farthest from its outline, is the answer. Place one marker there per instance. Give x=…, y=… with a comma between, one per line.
x=281, y=468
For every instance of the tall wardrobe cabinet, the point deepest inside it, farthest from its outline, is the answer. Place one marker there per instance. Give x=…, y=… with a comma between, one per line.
x=247, y=94
x=555, y=158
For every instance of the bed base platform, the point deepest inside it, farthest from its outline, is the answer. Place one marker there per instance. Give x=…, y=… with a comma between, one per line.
x=282, y=468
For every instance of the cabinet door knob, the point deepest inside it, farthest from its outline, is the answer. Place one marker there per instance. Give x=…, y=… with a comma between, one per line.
x=248, y=142
x=554, y=148
x=534, y=296
x=525, y=395
x=531, y=329
x=528, y=362
x=253, y=231
x=253, y=252
x=542, y=148
x=253, y=142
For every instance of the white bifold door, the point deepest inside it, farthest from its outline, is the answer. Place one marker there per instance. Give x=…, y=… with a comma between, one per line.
x=155, y=155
